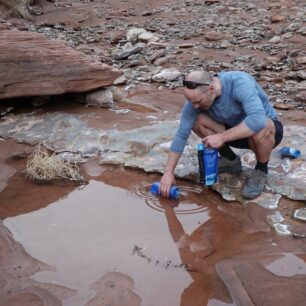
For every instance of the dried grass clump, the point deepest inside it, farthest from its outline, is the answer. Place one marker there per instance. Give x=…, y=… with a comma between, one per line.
x=43, y=167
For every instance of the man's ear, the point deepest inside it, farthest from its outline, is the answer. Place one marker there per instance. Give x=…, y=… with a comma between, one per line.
x=211, y=88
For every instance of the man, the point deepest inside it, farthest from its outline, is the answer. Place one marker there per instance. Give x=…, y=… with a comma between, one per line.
x=228, y=109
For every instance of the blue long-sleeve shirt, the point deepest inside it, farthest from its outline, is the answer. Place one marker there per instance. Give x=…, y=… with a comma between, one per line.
x=242, y=100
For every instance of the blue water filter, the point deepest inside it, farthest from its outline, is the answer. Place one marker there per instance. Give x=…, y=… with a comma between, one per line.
x=208, y=164
x=200, y=148
x=174, y=191
x=289, y=152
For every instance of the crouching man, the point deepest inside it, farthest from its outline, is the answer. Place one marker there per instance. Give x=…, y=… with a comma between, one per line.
x=228, y=109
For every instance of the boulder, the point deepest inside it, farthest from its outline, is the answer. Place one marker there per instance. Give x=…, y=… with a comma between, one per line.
x=100, y=98
x=33, y=65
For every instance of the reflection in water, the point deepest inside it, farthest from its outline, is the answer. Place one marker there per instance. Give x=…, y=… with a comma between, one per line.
x=92, y=232
x=194, y=247
x=115, y=289
x=193, y=250
x=214, y=302
x=143, y=191
x=288, y=265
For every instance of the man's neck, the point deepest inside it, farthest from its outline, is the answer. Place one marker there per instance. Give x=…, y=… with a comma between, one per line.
x=218, y=87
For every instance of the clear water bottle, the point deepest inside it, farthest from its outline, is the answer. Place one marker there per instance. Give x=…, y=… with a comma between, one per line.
x=173, y=194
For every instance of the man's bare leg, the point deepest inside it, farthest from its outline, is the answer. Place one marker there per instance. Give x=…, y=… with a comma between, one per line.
x=263, y=142
x=206, y=126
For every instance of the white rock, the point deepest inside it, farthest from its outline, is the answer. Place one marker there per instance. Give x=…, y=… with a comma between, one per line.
x=146, y=36
x=132, y=34
x=275, y=39
x=120, y=80
x=301, y=85
x=166, y=75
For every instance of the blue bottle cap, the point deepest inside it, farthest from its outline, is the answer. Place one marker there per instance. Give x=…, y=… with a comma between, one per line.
x=155, y=188
x=200, y=146
x=174, y=192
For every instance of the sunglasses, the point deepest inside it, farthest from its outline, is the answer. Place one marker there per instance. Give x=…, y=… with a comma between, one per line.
x=193, y=85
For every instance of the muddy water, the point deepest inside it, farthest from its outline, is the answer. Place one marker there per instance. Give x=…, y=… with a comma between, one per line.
x=113, y=234
x=111, y=242
x=95, y=229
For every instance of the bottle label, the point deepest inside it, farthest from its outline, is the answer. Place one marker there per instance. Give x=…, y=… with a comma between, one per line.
x=208, y=165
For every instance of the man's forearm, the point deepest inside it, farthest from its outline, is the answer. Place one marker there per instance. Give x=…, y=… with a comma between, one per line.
x=172, y=161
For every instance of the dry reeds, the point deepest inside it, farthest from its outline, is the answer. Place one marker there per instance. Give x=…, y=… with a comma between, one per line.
x=43, y=167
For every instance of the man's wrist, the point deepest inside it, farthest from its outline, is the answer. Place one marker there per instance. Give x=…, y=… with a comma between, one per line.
x=168, y=170
x=224, y=137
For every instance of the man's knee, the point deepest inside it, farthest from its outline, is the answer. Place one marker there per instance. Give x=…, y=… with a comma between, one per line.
x=266, y=135
x=200, y=125
x=204, y=122
x=196, y=128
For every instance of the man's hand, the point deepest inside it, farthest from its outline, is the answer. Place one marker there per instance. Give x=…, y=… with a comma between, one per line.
x=215, y=141
x=166, y=182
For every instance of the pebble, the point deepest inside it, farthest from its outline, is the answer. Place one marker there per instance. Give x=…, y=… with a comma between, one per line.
x=275, y=39
x=161, y=61
x=166, y=75
x=301, y=96
x=277, y=18
x=145, y=36
x=301, y=60
x=132, y=34
x=128, y=50
x=301, y=74
x=157, y=54
x=213, y=36
x=283, y=106
x=301, y=85
x=120, y=80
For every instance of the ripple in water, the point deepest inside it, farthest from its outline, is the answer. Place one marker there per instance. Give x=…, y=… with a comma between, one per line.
x=153, y=201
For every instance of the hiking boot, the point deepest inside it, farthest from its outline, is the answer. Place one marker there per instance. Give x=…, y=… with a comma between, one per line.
x=254, y=185
x=230, y=166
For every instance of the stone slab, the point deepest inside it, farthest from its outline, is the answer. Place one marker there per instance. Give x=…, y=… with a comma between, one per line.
x=249, y=283
x=33, y=65
x=140, y=148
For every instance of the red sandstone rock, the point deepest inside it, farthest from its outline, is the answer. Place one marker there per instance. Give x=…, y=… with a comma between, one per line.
x=33, y=65
x=277, y=18
x=284, y=106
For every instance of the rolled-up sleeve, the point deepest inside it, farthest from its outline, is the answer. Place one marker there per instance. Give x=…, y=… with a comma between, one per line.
x=187, y=120
x=245, y=92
